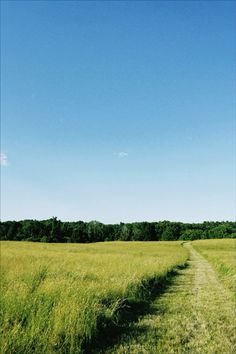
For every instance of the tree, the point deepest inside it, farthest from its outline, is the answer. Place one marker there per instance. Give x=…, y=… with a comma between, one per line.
x=191, y=235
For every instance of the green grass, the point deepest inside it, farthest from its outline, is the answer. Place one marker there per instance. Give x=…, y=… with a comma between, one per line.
x=56, y=298
x=221, y=254
x=194, y=315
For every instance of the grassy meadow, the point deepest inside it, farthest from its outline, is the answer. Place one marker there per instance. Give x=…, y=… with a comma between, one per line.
x=56, y=298
x=221, y=254
x=195, y=314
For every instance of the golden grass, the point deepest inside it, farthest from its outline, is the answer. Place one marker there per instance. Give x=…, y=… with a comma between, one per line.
x=221, y=254
x=55, y=297
x=194, y=315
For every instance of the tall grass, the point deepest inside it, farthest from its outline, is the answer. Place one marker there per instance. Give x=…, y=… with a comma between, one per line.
x=57, y=297
x=221, y=254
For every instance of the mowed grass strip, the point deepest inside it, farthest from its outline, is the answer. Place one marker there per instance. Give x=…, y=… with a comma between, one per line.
x=57, y=297
x=194, y=315
x=221, y=254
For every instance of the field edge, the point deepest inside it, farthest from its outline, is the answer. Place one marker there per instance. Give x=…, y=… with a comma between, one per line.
x=129, y=308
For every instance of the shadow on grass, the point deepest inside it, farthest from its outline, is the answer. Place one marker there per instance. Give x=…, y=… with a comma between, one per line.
x=110, y=331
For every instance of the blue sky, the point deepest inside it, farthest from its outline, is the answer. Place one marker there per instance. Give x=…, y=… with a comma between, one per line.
x=118, y=111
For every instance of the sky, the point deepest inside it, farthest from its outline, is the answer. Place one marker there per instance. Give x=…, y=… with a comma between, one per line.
x=118, y=110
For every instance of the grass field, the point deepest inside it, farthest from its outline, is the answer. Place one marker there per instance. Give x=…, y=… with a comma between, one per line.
x=57, y=297
x=195, y=314
x=221, y=254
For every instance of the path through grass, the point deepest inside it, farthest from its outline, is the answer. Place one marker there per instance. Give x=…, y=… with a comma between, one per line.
x=221, y=254
x=59, y=298
x=195, y=315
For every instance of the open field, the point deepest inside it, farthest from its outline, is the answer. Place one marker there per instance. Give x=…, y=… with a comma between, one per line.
x=64, y=298
x=56, y=298
x=196, y=314
x=221, y=254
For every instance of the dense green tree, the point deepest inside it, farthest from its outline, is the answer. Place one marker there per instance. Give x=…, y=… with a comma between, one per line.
x=125, y=232
x=168, y=234
x=219, y=231
x=191, y=235
x=53, y=230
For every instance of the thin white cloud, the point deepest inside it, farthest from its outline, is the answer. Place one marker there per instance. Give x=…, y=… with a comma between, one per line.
x=122, y=154
x=3, y=159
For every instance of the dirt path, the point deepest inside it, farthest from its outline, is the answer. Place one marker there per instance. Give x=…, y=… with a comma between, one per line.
x=195, y=315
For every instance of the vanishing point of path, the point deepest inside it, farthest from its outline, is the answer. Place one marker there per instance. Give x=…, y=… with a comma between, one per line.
x=195, y=315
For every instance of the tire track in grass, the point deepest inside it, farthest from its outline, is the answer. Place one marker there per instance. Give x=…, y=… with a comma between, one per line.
x=195, y=315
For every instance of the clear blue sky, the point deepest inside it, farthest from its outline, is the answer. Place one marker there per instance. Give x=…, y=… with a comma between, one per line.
x=118, y=111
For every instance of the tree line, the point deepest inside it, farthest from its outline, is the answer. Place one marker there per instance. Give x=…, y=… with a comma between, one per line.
x=54, y=230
